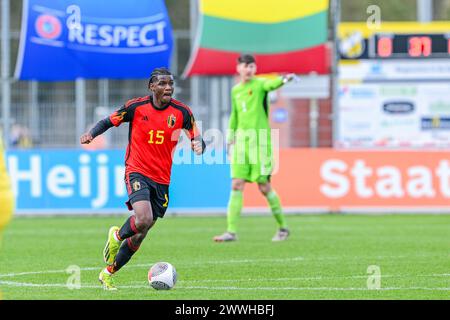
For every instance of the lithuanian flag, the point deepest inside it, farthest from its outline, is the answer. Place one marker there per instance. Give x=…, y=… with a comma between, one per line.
x=284, y=36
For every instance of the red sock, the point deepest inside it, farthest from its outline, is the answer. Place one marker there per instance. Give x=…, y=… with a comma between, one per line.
x=128, y=229
x=111, y=269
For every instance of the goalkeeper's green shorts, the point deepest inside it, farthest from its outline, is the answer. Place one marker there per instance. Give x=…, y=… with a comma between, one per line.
x=249, y=173
x=257, y=170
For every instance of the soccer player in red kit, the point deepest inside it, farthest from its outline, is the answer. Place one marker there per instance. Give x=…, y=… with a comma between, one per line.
x=155, y=123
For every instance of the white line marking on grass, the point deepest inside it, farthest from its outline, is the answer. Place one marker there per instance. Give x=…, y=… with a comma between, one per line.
x=316, y=288
x=98, y=287
x=27, y=284
x=195, y=263
x=43, y=272
x=318, y=278
x=150, y=264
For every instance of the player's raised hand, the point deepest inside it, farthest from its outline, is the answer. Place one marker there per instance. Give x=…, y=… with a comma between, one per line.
x=197, y=147
x=86, y=138
x=289, y=77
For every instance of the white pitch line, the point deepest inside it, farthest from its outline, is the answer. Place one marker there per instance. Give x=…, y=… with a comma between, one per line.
x=22, y=284
x=27, y=284
x=59, y=285
x=319, y=278
x=150, y=264
x=317, y=288
x=195, y=263
x=43, y=272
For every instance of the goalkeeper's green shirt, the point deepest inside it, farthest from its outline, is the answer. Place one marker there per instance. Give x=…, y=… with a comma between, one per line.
x=250, y=105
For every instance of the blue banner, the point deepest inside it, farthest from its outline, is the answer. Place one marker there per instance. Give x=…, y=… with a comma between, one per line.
x=78, y=181
x=68, y=39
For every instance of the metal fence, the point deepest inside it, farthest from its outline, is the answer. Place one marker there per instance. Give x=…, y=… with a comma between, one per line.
x=47, y=114
x=54, y=114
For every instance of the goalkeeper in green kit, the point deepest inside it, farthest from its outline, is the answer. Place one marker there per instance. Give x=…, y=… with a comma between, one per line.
x=250, y=147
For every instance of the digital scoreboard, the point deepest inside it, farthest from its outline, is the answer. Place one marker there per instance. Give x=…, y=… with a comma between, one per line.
x=412, y=45
x=395, y=40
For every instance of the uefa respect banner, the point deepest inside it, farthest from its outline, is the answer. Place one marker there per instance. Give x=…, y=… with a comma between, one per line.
x=68, y=39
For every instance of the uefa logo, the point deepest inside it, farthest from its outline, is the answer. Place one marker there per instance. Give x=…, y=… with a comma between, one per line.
x=48, y=26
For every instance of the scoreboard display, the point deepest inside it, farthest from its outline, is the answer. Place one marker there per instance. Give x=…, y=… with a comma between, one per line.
x=406, y=46
x=395, y=40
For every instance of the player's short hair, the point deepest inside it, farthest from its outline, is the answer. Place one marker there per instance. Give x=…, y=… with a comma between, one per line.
x=246, y=58
x=158, y=72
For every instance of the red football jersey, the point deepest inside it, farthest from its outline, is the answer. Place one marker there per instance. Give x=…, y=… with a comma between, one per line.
x=153, y=135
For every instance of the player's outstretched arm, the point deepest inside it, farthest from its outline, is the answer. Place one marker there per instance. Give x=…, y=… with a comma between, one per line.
x=97, y=130
x=273, y=84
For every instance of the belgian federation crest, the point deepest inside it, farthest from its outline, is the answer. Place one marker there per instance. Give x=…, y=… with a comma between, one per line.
x=136, y=186
x=171, y=120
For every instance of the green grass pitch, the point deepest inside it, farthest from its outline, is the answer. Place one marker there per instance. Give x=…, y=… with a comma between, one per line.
x=326, y=257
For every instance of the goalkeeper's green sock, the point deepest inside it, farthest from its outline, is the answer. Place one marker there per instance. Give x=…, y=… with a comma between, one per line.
x=234, y=210
x=275, y=205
